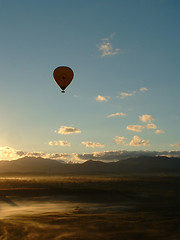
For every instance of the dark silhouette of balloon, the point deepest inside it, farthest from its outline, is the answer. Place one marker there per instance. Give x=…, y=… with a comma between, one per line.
x=63, y=77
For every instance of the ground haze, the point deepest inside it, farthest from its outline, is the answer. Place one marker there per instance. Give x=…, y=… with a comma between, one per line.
x=90, y=207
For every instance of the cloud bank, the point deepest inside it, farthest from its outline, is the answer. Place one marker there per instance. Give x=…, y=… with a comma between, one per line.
x=175, y=145
x=109, y=156
x=8, y=153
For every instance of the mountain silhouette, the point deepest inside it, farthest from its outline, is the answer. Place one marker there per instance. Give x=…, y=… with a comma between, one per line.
x=143, y=164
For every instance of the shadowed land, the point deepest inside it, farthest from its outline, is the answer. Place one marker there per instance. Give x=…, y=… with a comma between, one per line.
x=90, y=207
x=113, y=225
x=151, y=165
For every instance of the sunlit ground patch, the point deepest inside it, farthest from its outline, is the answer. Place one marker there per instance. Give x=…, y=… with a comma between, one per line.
x=41, y=205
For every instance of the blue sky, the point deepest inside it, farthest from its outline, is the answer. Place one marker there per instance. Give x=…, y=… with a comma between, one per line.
x=124, y=97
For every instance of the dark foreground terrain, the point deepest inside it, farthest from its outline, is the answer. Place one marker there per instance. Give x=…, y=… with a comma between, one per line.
x=90, y=208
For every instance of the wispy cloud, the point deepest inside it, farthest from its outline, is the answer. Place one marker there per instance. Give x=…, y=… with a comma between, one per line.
x=119, y=140
x=132, y=93
x=151, y=125
x=100, y=98
x=60, y=143
x=126, y=94
x=106, y=47
x=92, y=144
x=68, y=130
x=143, y=89
x=116, y=114
x=146, y=118
x=135, y=128
x=159, y=131
x=137, y=141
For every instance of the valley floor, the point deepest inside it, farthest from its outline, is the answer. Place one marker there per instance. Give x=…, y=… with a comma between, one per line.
x=90, y=207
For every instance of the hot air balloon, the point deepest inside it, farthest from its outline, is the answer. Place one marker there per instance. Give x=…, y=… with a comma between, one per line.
x=63, y=77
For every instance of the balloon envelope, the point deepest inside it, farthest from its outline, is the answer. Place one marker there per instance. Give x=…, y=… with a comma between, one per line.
x=63, y=76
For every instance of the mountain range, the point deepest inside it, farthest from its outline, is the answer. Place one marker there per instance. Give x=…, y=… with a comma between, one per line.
x=143, y=164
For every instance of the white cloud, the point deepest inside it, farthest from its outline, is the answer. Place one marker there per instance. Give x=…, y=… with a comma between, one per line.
x=175, y=145
x=64, y=143
x=137, y=141
x=60, y=143
x=116, y=114
x=119, y=140
x=30, y=154
x=107, y=49
x=54, y=143
x=136, y=128
x=92, y=144
x=8, y=153
x=143, y=89
x=159, y=131
x=146, y=118
x=125, y=94
x=68, y=130
x=55, y=156
x=151, y=125
x=100, y=98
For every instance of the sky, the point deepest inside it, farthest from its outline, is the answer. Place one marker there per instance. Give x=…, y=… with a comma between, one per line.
x=124, y=98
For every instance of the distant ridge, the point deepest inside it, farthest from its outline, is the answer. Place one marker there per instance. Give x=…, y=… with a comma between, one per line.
x=137, y=165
